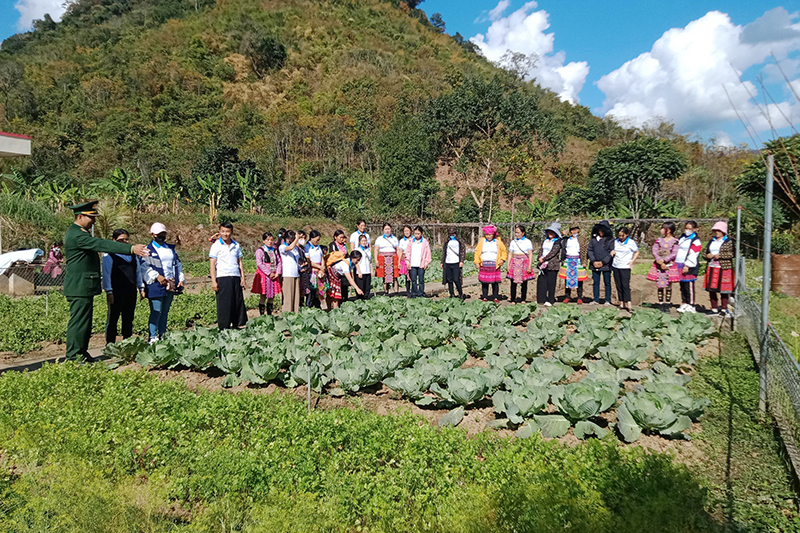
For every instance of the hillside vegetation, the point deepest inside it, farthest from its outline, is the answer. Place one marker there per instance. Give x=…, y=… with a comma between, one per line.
x=325, y=108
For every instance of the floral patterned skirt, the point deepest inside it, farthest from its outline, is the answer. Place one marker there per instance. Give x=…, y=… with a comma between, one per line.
x=719, y=280
x=263, y=285
x=334, y=289
x=489, y=273
x=664, y=277
x=573, y=271
x=388, y=274
x=518, y=269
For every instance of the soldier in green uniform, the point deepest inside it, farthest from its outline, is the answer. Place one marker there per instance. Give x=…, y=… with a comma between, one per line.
x=82, y=280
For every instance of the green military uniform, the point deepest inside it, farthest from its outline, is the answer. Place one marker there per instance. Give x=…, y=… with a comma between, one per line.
x=82, y=280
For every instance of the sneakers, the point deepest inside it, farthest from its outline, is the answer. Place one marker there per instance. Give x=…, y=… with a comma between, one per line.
x=592, y=302
x=154, y=340
x=725, y=313
x=608, y=304
x=690, y=309
x=548, y=304
x=579, y=301
x=682, y=308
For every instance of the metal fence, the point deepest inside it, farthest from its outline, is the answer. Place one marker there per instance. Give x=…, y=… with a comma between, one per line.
x=780, y=372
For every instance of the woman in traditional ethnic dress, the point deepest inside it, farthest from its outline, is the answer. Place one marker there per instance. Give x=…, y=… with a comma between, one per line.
x=490, y=254
x=341, y=267
x=387, y=258
x=549, y=260
x=572, y=270
x=665, y=270
x=402, y=267
x=520, y=264
x=720, y=280
x=267, y=281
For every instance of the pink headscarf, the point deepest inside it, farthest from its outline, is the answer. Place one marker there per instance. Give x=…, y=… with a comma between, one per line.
x=490, y=230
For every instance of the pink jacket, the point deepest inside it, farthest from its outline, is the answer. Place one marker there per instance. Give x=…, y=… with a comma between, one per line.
x=426, y=253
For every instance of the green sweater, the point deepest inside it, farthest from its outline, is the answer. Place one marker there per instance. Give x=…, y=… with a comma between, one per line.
x=83, y=264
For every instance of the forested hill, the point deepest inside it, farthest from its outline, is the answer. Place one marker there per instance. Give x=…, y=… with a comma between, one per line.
x=291, y=89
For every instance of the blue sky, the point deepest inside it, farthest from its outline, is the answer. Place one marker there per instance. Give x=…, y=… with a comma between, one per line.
x=637, y=60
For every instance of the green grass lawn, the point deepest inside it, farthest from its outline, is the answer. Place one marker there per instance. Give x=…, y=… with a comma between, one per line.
x=154, y=456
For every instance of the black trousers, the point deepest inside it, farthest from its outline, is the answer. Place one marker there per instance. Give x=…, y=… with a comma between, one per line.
x=687, y=292
x=622, y=278
x=452, y=276
x=231, y=312
x=365, y=284
x=495, y=290
x=606, y=275
x=312, y=299
x=124, y=306
x=524, y=295
x=345, y=288
x=417, y=275
x=568, y=292
x=546, y=286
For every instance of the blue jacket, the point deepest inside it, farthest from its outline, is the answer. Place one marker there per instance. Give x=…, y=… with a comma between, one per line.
x=151, y=267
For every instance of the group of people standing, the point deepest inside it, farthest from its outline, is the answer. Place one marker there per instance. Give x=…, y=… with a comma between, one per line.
x=676, y=260
x=296, y=266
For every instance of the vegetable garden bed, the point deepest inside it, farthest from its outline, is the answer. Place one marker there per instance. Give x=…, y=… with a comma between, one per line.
x=560, y=372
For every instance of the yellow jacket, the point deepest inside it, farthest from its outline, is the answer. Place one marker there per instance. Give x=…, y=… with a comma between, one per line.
x=502, y=252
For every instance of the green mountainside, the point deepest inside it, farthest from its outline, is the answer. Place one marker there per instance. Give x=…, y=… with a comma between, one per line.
x=295, y=86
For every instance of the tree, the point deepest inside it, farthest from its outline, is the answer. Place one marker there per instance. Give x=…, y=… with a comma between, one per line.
x=265, y=53
x=438, y=22
x=518, y=64
x=407, y=165
x=223, y=166
x=11, y=76
x=632, y=173
x=787, y=177
x=486, y=130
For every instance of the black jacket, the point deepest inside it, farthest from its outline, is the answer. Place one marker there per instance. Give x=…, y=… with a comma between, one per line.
x=601, y=250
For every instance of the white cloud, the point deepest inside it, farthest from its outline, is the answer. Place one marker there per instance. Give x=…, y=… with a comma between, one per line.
x=685, y=76
x=523, y=31
x=31, y=10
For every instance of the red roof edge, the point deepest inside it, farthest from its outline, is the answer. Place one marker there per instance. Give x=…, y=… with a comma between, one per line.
x=17, y=135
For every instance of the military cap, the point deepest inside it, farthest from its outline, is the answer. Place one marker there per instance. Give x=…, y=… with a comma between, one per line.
x=86, y=208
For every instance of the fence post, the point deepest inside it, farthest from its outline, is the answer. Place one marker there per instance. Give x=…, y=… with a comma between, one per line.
x=737, y=270
x=765, y=286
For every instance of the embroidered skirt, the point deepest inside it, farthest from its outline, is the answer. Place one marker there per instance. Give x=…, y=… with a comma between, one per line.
x=334, y=289
x=664, y=277
x=388, y=274
x=689, y=276
x=719, y=280
x=489, y=273
x=263, y=285
x=518, y=269
x=572, y=271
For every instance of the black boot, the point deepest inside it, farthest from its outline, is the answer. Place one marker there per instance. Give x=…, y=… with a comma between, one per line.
x=261, y=309
x=270, y=307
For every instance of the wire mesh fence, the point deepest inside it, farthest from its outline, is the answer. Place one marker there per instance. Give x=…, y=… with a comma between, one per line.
x=780, y=371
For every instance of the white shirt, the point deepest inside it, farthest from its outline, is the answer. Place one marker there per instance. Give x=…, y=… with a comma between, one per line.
x=547, y=247
x=573, y=247
x=416, y=254
x=624, y=253
x=489, y=251
x=167, y=257
x=365, y=265
x=521, y=246
x=314, y=253
x=342, y=267
x=354, y=239
x=227, y=257
x=453, y=249
x=289, y=259
x=387, y=245
x=686, y=256
x=714, y=246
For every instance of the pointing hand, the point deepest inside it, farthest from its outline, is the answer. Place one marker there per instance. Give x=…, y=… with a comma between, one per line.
x=140, y=250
